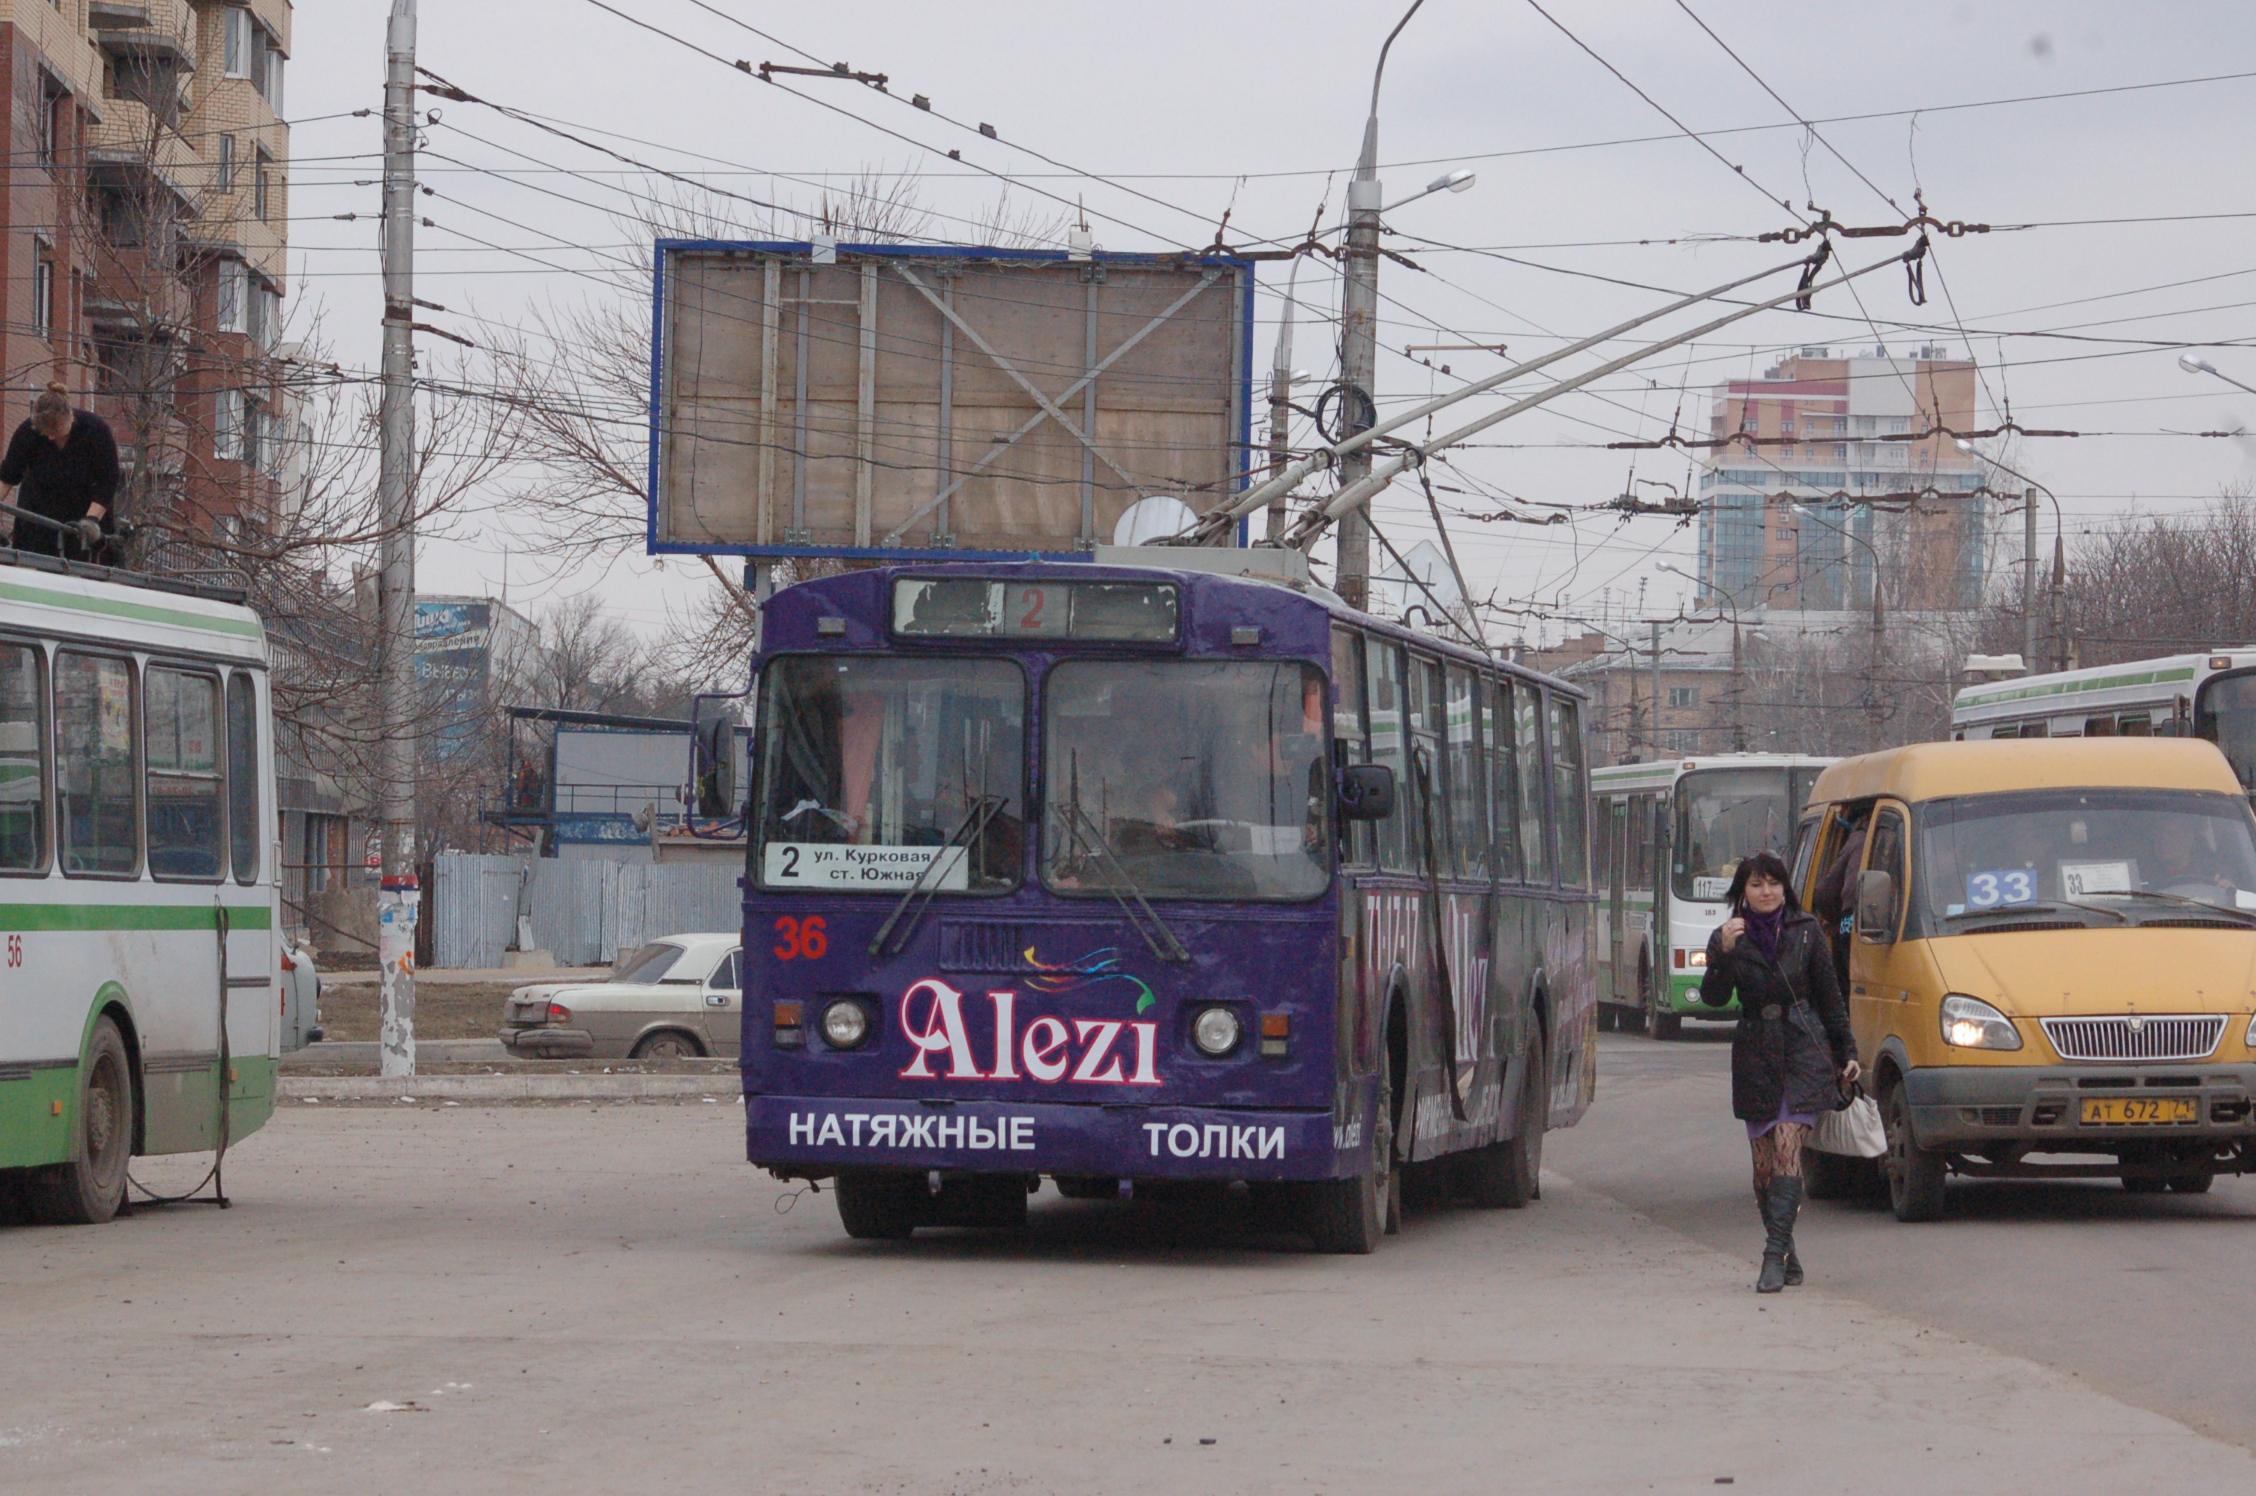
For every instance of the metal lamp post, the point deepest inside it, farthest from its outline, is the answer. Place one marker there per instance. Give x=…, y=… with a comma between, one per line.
x=2029, y=559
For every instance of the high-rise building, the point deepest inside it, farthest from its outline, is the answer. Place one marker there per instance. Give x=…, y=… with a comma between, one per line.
x=1836, y=464
x=143, y=226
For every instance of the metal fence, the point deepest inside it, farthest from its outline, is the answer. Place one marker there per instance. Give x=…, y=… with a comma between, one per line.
x=585, y=913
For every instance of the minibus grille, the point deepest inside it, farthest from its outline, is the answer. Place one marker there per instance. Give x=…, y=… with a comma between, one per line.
x=2136, y=1037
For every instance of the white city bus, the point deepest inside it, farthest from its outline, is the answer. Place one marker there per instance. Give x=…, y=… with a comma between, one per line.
x=1669, y=835
x=140, y=996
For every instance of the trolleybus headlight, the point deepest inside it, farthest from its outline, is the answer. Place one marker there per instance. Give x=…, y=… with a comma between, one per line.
x=845, y=1024
x=1696, y=959
x=1216, y=1031
x=1970, y=1023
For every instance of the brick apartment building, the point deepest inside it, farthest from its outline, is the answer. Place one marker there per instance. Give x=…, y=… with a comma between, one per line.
x=1790, y=518
x=142, y=232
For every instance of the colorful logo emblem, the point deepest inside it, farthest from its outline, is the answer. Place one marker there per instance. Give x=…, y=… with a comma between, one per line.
x=1092, y=970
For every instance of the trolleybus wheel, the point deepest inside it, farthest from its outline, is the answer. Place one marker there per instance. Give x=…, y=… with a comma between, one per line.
x=89, y=1188
x=1915, y=1174
x=2145, y=1184
x=1086, y=1187
x=1505, y=1175
x=2192, y=1184
x=877, y=1207
x=1348, y=1216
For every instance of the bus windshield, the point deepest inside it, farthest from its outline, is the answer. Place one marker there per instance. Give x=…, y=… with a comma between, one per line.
x=1984, y=852
x=2226, y=715
x=1723, y=815
x=1201, y=780
x=874, y=769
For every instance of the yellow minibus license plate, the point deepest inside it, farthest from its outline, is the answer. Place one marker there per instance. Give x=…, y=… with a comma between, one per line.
x=2122, y=1110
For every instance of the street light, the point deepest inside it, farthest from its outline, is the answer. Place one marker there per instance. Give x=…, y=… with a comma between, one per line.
x=2029, y=559
x=2195, y=365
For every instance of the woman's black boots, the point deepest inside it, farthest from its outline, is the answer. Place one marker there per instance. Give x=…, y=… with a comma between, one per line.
x=1781, y=1202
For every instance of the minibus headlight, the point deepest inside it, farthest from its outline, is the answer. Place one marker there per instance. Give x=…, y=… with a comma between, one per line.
x=1215, y=1032
x=2250, y=1041
x=1970, y=1023
x=845, y=1024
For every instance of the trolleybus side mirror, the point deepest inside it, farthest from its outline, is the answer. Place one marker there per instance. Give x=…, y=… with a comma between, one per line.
x=1876, y=906
x=1366, y=792
x=712, y=756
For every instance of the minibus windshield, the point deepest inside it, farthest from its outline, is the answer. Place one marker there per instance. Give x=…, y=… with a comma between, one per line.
x=1988, y=853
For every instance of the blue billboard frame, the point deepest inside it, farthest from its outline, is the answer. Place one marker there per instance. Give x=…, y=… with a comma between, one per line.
x=666, y=247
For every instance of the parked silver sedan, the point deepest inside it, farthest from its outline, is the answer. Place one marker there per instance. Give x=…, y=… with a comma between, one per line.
x=676, y=998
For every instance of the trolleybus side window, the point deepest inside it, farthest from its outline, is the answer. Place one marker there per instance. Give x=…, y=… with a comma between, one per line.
x=1608, y=847
x=1425, y=744
x=1535, y=806
x=95, y=785
x=878, y=768
x=244, y=825
x=1384, y=682
x=1569, y=793
x=1468, y=779
x=1644, y=821
x=1503, y=778
x=23, y=761
x=184, y=790
x=1347, y=731
x=1191, y=779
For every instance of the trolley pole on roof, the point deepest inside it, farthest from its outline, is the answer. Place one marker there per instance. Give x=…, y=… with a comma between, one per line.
x=1359, y=337
x=400, y=899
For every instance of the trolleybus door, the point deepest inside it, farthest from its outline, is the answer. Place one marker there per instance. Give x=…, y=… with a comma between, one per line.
x=1614, y=829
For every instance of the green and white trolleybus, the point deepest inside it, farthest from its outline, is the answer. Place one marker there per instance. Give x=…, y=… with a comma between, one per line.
x=2210, y=695
x=141, y=992
x=1669, y=836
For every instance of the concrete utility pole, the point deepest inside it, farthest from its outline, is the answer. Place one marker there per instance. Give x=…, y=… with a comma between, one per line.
x=1359, y=337
x=2029, y=580
x=1280, y=407
x=400, y=900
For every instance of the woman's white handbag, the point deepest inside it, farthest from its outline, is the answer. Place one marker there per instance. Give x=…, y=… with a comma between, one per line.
x=1854, y=1130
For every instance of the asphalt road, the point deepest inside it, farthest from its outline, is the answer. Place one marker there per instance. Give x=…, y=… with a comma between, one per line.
x=2142, y=1296
x=603, y=1298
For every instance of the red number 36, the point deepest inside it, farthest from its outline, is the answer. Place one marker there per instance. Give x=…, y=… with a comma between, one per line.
x=801, y=937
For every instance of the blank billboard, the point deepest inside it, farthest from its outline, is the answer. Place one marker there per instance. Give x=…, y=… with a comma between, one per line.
x=899, y=401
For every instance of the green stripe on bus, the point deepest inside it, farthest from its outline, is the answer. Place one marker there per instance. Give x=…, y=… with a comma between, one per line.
x=140, y=612
x=25, y=917
x=2077, y=688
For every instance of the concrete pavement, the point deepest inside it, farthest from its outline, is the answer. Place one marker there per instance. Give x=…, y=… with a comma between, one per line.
x=605, y=1297
x=2140, y=1296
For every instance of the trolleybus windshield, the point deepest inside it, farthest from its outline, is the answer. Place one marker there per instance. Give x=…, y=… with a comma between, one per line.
x=873, y=769
x=2225, y=714
x=1723, y=815
x=1197, y=779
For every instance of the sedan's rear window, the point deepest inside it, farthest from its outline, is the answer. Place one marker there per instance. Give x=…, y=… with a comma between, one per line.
x=649, y=964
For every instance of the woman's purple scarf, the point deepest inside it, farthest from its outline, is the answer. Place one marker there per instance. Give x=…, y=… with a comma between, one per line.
x=1764, y=930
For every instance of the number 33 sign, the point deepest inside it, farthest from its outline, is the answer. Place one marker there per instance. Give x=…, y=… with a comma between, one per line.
x=2008, y=886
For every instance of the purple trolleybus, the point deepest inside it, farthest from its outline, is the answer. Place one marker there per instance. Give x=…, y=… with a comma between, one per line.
x=1122, y=875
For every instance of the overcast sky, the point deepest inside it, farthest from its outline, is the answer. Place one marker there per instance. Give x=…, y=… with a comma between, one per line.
x=1258, y=108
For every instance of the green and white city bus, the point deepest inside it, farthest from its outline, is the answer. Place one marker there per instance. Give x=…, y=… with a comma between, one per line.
x=1668, y=837
x=140, y=996
x=2210, y=696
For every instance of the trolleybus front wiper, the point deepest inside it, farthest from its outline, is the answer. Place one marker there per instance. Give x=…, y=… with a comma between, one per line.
x=1122, y=888
x=974, y=822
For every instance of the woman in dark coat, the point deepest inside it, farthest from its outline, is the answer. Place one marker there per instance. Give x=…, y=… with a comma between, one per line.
x=67, y=461
x=1793, y=1051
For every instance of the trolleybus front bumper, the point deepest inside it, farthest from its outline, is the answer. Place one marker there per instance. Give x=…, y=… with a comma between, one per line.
x=815, y=1137
x=1684, y=998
